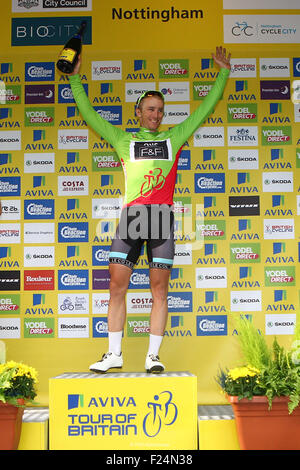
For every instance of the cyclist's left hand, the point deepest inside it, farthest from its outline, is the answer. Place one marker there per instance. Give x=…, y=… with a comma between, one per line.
x=221, y=59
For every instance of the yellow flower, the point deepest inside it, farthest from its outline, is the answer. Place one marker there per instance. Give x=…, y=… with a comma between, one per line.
x=20, y=370
x=245, y=371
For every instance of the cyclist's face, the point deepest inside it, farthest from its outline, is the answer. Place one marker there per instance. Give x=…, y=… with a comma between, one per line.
x=151, y=112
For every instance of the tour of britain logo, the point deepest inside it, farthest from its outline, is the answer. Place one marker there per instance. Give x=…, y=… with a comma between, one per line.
x=163, y=412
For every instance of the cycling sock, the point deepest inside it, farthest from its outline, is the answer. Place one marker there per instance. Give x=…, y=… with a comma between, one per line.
x=115, y=341
x=154, y=344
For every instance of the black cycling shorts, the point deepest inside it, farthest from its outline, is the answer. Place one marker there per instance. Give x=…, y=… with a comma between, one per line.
x=151, y=224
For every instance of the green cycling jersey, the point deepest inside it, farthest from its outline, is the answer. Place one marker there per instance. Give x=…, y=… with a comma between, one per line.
x=149, y=159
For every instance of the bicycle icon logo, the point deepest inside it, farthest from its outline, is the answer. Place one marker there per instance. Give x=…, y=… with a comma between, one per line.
x=154, y=180
x=67, y=304
x=240, y=28
x=163, y=412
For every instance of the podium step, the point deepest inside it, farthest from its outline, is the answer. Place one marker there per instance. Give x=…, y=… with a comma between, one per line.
x=216, y=425
x=34, y=431
x=217, y=428
x=126, y=411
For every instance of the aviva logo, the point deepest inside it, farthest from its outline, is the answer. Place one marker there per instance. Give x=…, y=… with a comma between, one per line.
x=207, y=64
x=72, y=157
x=245, y=272
x=72, y=111
x=75, y=401
x=5, y=252
x=106, y=88
x=38, y=299
x=275, y=108
x=241, y=85
x=5, y=158
x=243, y=178
x=39, y=135
x=276, y=154
x=139, y=65
x=39, y=181
x=6, y=68
x=106, y=180
x=209, y=155
x=211, y=296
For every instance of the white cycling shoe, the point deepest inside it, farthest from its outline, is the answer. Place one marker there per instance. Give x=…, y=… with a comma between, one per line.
x=109, y=360
x=153, y=365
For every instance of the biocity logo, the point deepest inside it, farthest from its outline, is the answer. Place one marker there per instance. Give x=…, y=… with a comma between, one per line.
x=40, y=31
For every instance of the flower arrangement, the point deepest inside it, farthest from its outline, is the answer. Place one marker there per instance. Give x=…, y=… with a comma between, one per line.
x=17, y=381
x=269, y=371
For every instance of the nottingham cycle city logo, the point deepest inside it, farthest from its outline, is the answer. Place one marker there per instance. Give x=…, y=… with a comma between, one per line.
x=120, y=416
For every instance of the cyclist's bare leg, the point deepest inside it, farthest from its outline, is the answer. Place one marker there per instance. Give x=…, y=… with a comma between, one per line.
x=159, y=284
x=119, y=280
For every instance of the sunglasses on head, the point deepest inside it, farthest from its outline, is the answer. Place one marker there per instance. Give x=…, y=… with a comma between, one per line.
x=147, y=94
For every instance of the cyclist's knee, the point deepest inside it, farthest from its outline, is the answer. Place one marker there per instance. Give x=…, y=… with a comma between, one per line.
x=159, y=291
x=119, y=280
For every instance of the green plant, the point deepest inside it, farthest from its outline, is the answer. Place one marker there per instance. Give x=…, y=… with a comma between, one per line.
x=270, y=371
x=252, y=343
x=17, y=381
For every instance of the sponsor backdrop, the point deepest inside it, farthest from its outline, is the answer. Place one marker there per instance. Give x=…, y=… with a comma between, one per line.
x=237, y=199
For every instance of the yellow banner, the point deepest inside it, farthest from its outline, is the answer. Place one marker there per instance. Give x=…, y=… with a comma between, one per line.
x=236, y=198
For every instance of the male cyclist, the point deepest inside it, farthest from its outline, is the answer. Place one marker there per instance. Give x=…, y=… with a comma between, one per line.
x=149, y=159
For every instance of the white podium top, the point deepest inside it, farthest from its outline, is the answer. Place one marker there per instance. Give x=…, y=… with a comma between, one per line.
x=120, y=375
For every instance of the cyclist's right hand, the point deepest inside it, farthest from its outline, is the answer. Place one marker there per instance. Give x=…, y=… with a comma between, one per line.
x=77, y=67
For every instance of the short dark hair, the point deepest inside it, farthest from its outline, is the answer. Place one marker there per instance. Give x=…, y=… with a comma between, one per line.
x=149, y=93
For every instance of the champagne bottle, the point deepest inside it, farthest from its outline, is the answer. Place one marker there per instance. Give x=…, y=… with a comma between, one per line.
x=69, y=55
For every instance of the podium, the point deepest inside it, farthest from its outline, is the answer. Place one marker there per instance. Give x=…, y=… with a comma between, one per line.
x=34, y=431
x=124, y=411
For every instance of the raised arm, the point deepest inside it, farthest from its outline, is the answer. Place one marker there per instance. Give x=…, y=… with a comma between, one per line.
x=185, y=129
x=102, y=127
